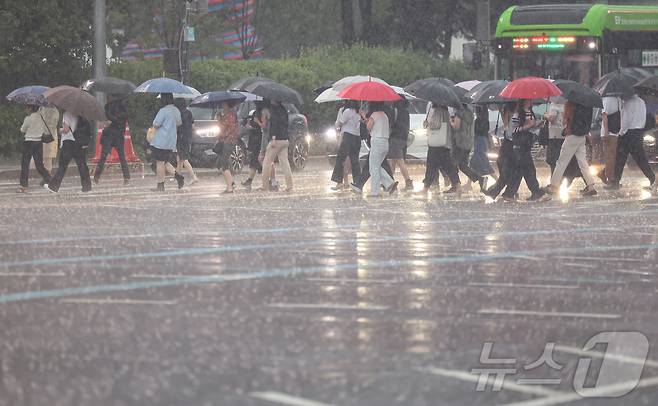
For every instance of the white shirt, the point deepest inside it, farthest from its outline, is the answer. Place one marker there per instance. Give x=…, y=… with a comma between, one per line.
x=611, y=105
x=72, y=122
x=633, y=114
x=557, y=125
x=349, y=122
x=380, y=128
x=33, y=127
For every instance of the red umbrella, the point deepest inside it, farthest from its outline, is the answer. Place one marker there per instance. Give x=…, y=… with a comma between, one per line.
x=530, y=88
x=369, y=91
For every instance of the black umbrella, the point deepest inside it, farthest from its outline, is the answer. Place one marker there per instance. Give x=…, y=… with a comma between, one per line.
x=275, y=91
x=212, y=99
x=648, y=88
x=489, y=92
x=242, y=84
x=437, y=90
x=326, y=85
x=109, y=85
x=620, y=82
x=577, y=93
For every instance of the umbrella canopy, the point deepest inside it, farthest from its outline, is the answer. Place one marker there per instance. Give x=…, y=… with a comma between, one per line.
x=109, y=85
x=251, y=97
x=648, y=87
x=530, y=87
x=340, y=85
x=577, y=93
x=488, y=92
x=369, y=91
x=213, y=99
x=162, y=85
x=275, y=91
x=437, y=90
x=320, y=89
x=468, y=85
x=463, y=94
x=76, y=101
x=620, y=82
x=242, y=84
x=331, y=95
x=29, y=95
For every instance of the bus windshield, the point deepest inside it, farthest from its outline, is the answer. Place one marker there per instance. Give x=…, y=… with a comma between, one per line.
x=582, y=68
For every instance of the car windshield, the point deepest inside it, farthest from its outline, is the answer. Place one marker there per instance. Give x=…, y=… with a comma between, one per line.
x=202, y=113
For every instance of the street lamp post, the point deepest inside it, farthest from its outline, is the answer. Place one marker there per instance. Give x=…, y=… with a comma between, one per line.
x=100, y=42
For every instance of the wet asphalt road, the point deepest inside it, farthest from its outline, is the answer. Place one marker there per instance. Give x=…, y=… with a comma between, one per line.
x=124, y=297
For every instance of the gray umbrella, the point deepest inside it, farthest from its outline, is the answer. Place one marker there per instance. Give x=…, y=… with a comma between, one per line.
x=76, y=101
x=275, y=91
x=437, y=90
x=109, y=85
x=242, y=84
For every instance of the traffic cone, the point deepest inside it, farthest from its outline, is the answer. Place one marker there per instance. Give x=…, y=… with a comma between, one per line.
x=113, y=158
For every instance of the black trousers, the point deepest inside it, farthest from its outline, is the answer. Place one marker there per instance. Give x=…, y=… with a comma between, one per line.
x=71, y=150
x=633, y=143
x=461, y=159
x=365, y=172
x=109, y=141
x=524, y=169
x=349, y=148
x=439, y=158
x=506, y=168
x=33, y=150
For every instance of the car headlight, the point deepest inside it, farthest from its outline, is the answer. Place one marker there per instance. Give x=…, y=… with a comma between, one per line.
x=331, y=134
x=650, y=140
x=308, y=138
x=208, y=132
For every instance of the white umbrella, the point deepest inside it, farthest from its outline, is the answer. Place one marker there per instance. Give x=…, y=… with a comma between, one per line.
x=350, y=80
x=187, y=96
x=469, y=84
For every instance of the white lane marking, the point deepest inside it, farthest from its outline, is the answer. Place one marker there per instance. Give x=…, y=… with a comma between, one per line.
x=514, y=312
x=347, y=280
x=597, y=354
x=522, y=285
x=120, y=301
x=469, y=377
x=594, y=393
x=578, y=265
x=598, y=259
x=326, y=306
x=32, y=274
x=283, y=399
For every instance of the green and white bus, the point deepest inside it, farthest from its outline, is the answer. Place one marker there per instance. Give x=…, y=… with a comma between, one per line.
x=577, y=42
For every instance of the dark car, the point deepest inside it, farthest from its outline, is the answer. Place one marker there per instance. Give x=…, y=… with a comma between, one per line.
x=206, y=130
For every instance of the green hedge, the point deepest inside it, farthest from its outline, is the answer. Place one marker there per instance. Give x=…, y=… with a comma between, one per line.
x=313, y=67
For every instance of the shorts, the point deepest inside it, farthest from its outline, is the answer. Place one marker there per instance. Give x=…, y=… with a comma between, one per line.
x=223, y=152
x=163, y=155
x=396, y=148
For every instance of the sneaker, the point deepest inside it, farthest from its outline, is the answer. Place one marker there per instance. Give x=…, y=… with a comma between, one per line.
x=247, y=182
x=180, y=180
x=549, y=190
x=95, y=180
x=227, y=192
x=274, y=185
x=601, y=175
x=612, y=186
x=588, y=191
x=51, y=190
x=355, y=188
x=159, y=188
x=86, y=190
x=193, y=181
x=126, y=182
x=21, y=189
x=42, y=183
x=536, y=197
x=393, y=188
x=453, y=189
x=338, y=187
x=652, y=187
x=408, y=185
x=508, y=199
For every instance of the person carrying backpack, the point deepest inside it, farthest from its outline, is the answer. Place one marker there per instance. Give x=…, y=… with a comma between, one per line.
x=75, y=135
x=578, y=120
x=462, y=123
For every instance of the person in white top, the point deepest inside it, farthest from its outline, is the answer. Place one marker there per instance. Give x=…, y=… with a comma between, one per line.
x=610, y=126
x=348, y=124
x=633, y=121
x=379, y=128
x=33, y=127
x=74, y=135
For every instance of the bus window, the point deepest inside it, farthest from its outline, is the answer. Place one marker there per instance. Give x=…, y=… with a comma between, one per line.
x=582, y=68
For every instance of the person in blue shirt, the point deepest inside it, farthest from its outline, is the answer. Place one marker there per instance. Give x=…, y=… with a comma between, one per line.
x=163, y=144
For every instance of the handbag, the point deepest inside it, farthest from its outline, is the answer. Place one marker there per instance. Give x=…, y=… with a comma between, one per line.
x=150, y=134
x=46, y=138
x=438, y=138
